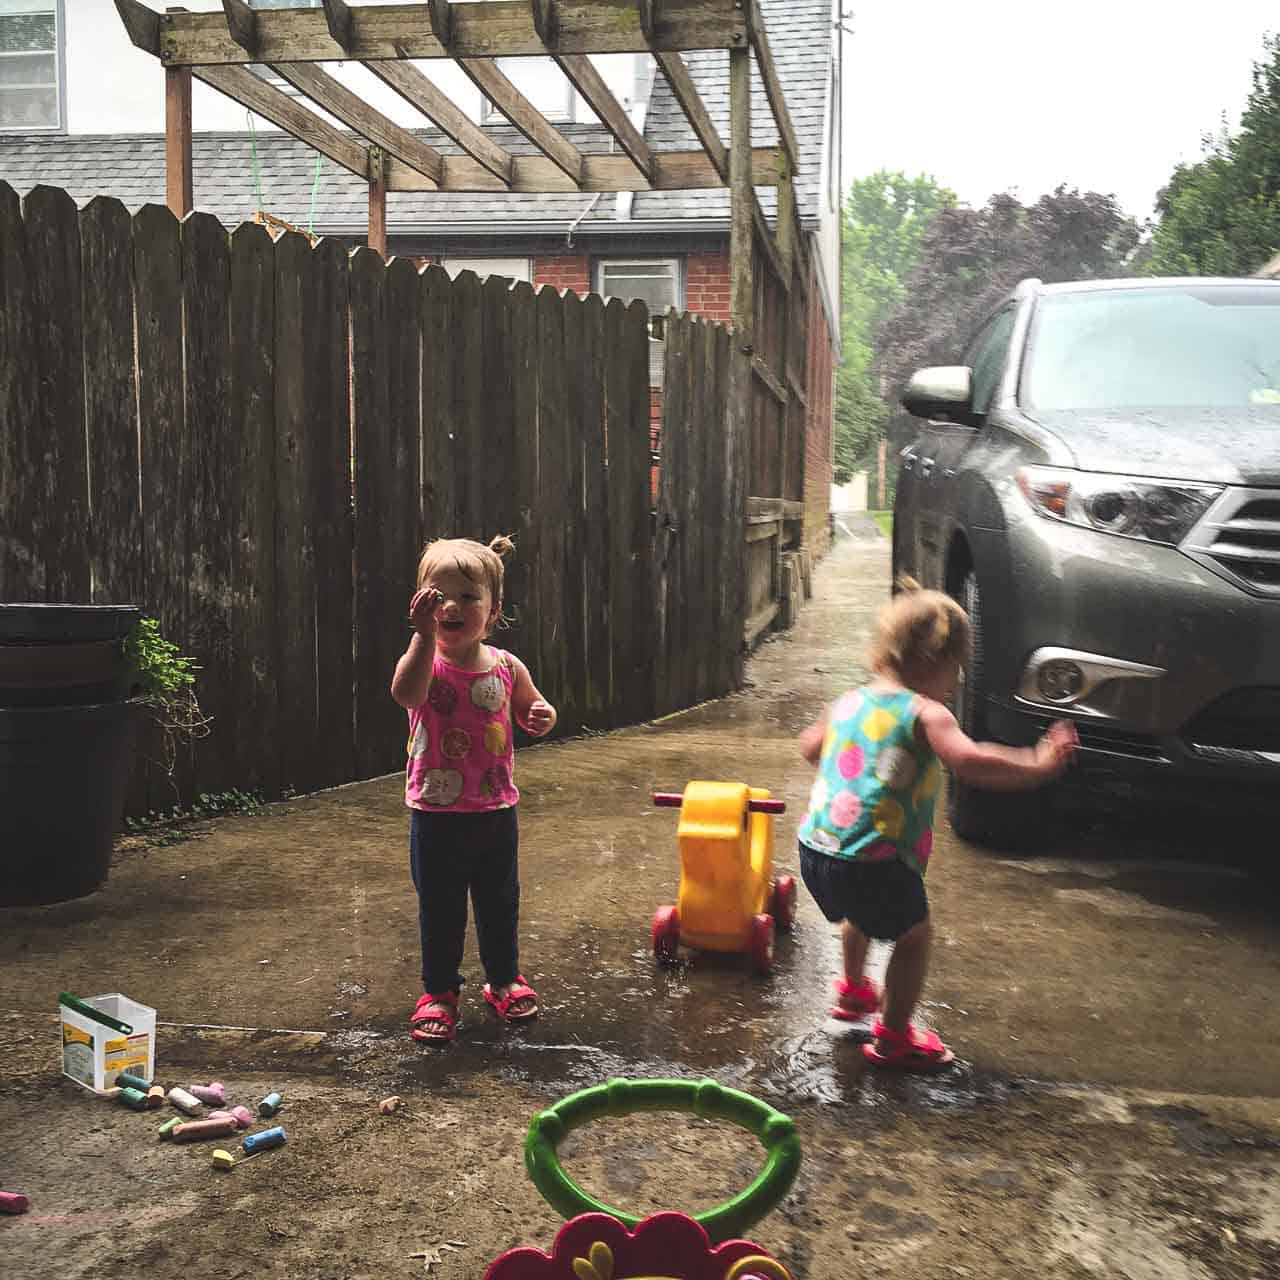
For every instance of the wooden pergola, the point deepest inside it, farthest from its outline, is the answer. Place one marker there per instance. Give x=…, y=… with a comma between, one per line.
x=215, y=48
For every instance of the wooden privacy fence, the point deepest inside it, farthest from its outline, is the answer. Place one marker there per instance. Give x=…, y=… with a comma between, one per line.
x=252, y=438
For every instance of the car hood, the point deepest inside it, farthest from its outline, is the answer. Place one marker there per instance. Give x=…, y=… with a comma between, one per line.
x=1217, y=446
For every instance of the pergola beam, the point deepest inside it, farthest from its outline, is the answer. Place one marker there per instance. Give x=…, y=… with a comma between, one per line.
x=421, y=94
x=772, y=82
x=490, y=80
x=142, y=25
x=242, y=23
x=254, y=93
x=352, y=110
x=610, y=112
x=673, y=171
x=337, y=14
x=686, y=94
x=499, y=29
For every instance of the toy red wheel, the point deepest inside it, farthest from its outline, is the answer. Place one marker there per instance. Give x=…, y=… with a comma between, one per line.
x=666, y=934
x=782, y=903
x=762, y=943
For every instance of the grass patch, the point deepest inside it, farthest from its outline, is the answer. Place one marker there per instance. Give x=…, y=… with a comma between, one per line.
x=885, y=520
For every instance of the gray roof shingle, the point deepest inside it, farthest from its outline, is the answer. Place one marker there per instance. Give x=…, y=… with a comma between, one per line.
x=309, y=190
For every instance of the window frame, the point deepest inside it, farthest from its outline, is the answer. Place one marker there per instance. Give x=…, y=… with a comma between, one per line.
x=58, y=8
x=600, y=264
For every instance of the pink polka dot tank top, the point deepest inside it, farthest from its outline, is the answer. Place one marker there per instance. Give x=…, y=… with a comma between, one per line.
x=874, y=795
x=461, y=756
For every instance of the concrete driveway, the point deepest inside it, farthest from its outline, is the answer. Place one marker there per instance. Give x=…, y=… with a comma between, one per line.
x=1114, y=1111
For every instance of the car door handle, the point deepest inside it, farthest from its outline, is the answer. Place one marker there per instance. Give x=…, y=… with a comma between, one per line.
x=908, y=456
x=926, y=467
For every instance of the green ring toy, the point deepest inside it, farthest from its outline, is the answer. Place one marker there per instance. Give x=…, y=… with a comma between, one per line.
x=706, y=1099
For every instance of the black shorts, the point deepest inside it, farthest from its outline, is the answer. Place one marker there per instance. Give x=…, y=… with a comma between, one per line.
x=884, y=899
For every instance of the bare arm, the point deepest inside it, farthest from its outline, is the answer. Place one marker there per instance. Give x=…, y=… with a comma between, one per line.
x=811, y=740
x=990, y=766
x=412, y=679
x=532, y=712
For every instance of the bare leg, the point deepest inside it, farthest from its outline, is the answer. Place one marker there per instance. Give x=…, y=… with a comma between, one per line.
x=855, y=944
x=904, y=980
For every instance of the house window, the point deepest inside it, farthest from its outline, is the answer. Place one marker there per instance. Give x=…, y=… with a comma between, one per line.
x=266, y=73
x=511, y=268
x=31, y=69
x=653, y=281
x=542, y=82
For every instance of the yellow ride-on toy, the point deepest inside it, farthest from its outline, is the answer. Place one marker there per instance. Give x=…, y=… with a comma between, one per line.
x=729, y=900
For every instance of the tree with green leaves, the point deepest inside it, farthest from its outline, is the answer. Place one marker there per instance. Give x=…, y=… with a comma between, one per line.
x=971, y=258
x=1221, y=216
x=884, y=220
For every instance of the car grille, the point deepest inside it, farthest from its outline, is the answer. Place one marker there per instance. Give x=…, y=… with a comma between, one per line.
x=1240, y=537
x=1244, y=723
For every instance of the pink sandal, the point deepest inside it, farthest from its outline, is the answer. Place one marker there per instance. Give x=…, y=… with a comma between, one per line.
x=918, y=1050
x=434, y=1019
x=519, y=990
x=855, y=1000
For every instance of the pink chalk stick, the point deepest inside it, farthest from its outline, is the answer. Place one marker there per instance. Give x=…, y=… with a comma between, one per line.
x=243, y=1116
x=219, y=1115
x=13, y=1202
x=213, y=1094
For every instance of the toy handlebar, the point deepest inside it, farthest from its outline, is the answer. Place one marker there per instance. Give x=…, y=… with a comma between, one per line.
x=673, y=800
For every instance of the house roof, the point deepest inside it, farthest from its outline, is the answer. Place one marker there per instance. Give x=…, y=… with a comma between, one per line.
x=309, y=190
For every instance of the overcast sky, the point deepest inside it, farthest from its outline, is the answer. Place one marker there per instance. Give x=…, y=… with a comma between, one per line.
x=1021, y=95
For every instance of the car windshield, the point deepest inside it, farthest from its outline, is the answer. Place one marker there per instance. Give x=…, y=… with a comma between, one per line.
x=1202, y=346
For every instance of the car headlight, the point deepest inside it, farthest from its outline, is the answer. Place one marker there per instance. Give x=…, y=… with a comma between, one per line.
x=1159, y=511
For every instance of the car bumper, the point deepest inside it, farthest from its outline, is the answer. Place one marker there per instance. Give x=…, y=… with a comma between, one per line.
x=1196, y=689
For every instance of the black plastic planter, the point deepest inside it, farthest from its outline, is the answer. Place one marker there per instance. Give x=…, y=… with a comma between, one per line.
x=66, y=747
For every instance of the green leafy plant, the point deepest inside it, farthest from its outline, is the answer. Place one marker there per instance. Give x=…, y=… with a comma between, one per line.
x=173, y=826
x=164, y=678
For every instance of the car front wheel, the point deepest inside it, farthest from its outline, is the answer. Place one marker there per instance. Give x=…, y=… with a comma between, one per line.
x=1002, y=819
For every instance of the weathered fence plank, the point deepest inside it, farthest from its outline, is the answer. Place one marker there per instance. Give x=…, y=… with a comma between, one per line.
x=472, y=461
x=326, y=359
x=523, y=572
x=439, y=493
x=295, y=547
x=21, y=573
x=577, y=583
x=597, y=585
x=633, y=452
x=673, y=532
x=552, y=500
x=110, y=403
x=162, y=467
x=211, y=517
x=497, y=466
x=255, y=661
x=60, y=499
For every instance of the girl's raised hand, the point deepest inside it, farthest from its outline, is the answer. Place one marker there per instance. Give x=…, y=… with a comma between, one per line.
x=422, y=612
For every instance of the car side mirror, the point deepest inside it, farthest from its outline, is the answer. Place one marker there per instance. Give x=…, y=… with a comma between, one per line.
x=941, y=391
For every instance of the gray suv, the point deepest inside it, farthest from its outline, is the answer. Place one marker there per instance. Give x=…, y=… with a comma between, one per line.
x=1098, y=483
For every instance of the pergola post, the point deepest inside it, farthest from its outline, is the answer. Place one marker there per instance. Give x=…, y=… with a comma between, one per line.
x=377, y=201
x=741, y=197
x=179, y=189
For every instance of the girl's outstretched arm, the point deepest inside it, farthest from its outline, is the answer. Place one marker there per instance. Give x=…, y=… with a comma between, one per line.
x=532, y=712
x=811, y=740
x=990, y=766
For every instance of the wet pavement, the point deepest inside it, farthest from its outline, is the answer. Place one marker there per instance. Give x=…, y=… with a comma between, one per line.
x=1110, y=1000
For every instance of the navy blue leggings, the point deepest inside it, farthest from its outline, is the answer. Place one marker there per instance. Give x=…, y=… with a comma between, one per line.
x=451, y=854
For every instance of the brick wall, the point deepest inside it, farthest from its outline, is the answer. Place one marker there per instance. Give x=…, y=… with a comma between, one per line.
x=564, y=271
x=706, y=286
x=818, y=430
